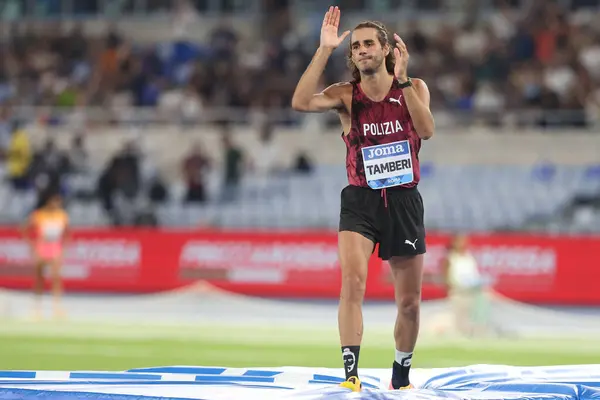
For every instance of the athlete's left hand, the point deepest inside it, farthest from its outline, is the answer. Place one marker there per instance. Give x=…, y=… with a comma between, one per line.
x=401, y=55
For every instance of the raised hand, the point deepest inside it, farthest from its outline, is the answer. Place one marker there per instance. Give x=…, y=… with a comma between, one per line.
x=401, y=55
x=329, y=30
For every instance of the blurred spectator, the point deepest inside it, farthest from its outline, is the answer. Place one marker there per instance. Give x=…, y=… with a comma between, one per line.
x=303, y=164
x=234, y=161
x=223, y=41
x=195, y=167
x=465, y=285
x=119, y=184
x=158, y=191
x=18, y=159
x=184, y=14
x=265, y=154
x=48, y=167
x=5, y=132
x=183, y=105
x=79, y=162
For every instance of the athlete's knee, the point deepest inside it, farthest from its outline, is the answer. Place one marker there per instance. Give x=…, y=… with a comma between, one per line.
x=409, y=306
x=55, y=276
x=39, y=270
x=354, y=285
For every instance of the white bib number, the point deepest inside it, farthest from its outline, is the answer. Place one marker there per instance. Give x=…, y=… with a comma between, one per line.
x=388, y=165
x=52, y=231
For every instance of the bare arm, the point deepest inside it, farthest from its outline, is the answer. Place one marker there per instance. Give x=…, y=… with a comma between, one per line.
x=26, y=227
x=445, y=272
x=67, y=235
x=417, y=100
x=305, y=97
x=416, y=97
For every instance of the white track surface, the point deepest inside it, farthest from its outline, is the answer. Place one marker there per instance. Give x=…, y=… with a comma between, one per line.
x=202, y=303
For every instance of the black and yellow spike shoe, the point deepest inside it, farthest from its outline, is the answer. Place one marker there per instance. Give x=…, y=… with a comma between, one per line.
x=352, y=383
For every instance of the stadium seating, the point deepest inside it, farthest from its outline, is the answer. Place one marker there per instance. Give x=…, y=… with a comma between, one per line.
x=465, y=197
x=500, y=161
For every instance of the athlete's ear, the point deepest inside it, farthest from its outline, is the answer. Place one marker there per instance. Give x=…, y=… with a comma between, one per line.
x=386, y=49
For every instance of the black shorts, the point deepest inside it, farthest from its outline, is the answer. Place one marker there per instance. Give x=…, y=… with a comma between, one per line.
x=398, y=228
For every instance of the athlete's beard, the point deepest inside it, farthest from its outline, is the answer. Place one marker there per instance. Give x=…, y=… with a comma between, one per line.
x=372, y=70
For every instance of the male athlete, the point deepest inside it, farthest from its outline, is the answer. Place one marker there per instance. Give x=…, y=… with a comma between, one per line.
x=384, y=115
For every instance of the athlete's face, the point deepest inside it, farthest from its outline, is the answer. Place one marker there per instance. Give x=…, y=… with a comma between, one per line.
x=461, y=243
x=55, y=203
x=367, y=53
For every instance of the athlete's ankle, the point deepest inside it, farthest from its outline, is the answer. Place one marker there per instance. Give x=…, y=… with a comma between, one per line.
x=401, y=369
x=350, y=356
x=399, y=376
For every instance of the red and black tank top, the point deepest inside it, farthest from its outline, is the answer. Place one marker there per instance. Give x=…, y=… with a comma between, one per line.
x=382, y=146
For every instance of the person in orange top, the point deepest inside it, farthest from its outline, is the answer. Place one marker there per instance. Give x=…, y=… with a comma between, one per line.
x=49, y=225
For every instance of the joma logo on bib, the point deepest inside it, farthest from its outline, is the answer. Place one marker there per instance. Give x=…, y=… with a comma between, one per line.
x=388, y=165
x=382, y=128
x=386, y=150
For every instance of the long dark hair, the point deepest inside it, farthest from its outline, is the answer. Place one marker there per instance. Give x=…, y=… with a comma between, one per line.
x=383, y=37
x=46, y=195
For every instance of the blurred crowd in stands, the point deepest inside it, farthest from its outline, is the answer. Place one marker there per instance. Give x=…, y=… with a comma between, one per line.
x=543, y=64
x=547, y=58
x=130, y=183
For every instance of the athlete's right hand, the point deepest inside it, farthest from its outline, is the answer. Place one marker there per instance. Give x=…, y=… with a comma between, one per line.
x=329, y=30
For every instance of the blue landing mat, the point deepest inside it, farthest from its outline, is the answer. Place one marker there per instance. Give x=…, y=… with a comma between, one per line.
x=477, y=382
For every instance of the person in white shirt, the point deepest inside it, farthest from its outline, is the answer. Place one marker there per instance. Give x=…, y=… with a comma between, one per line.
x=465, y=285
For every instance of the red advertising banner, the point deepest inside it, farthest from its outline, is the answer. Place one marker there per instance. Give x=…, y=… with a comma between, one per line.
x=537, y=269
x=532, y=268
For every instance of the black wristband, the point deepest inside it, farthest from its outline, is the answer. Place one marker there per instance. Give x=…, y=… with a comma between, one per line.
x=406, y=84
